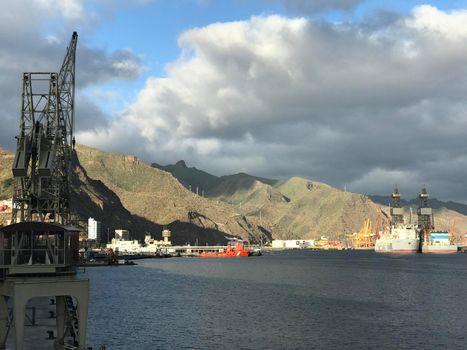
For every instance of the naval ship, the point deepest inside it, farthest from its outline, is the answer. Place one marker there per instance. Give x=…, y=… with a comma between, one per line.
x=402, y=237
x=409, y=238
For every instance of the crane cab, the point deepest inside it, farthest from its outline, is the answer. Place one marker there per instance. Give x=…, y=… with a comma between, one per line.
x=38, y=248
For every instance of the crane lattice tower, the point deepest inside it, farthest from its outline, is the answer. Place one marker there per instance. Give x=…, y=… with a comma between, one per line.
x=42, y=162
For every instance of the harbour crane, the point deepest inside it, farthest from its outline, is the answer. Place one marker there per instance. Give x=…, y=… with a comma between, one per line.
x=40, y=246
x=42, y=161
x=364, y=238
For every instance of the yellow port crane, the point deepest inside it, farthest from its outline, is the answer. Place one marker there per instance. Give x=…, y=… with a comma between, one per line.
x=363, y=238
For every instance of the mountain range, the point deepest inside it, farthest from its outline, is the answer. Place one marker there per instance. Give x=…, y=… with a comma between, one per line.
x=310, y=207
x=122, y=191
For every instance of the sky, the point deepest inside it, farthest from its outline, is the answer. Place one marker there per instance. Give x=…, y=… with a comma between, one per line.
x=362, y=95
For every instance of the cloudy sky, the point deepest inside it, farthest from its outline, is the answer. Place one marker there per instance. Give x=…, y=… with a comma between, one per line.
x=357, y=94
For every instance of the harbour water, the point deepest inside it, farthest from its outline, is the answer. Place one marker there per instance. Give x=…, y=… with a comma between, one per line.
x=282, y=300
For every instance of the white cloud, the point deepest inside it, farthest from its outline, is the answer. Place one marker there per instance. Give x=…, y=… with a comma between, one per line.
x=68, y=9
x=450, y=25
x=274, y=96
x=366, y=105
x=38, y=42
x=371, y=181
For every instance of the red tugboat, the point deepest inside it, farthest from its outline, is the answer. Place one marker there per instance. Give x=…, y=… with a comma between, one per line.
x=235, y=249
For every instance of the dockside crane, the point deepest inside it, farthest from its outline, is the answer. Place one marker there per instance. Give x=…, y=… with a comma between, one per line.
x=42, y=161
x=40, y=246
x=363, y=238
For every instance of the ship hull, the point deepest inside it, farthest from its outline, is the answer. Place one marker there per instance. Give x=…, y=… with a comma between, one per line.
x=403, y=239
x=224, y=255
x=398, y=246
x=439, y=249
x=233, y=251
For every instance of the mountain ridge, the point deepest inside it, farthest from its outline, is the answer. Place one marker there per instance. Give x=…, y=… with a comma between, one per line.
x=310, y=207
x=122, y=191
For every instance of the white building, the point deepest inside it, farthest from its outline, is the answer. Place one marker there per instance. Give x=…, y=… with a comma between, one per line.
x=125, y=246
x=94, y=229
x=293, y=243
x=122, y=244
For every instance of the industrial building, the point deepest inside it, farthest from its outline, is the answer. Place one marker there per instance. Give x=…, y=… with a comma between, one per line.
x=165, y=241
x=122, y=244
x=123, y=235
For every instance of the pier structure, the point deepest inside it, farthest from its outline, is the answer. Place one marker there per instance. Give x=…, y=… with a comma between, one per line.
x=40, y=260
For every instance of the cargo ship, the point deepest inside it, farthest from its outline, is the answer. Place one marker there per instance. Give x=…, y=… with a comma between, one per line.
x=404, y=238
x=438, y=242
x=235, y=249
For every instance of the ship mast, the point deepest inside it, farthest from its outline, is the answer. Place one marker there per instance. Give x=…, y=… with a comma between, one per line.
x=397, y=213
x=425, y=213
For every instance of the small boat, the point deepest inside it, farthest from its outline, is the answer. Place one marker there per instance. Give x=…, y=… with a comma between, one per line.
x=256, y=252
x=235, y=249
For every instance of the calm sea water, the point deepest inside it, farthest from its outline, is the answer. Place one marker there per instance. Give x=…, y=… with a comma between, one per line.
x=282, y=300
